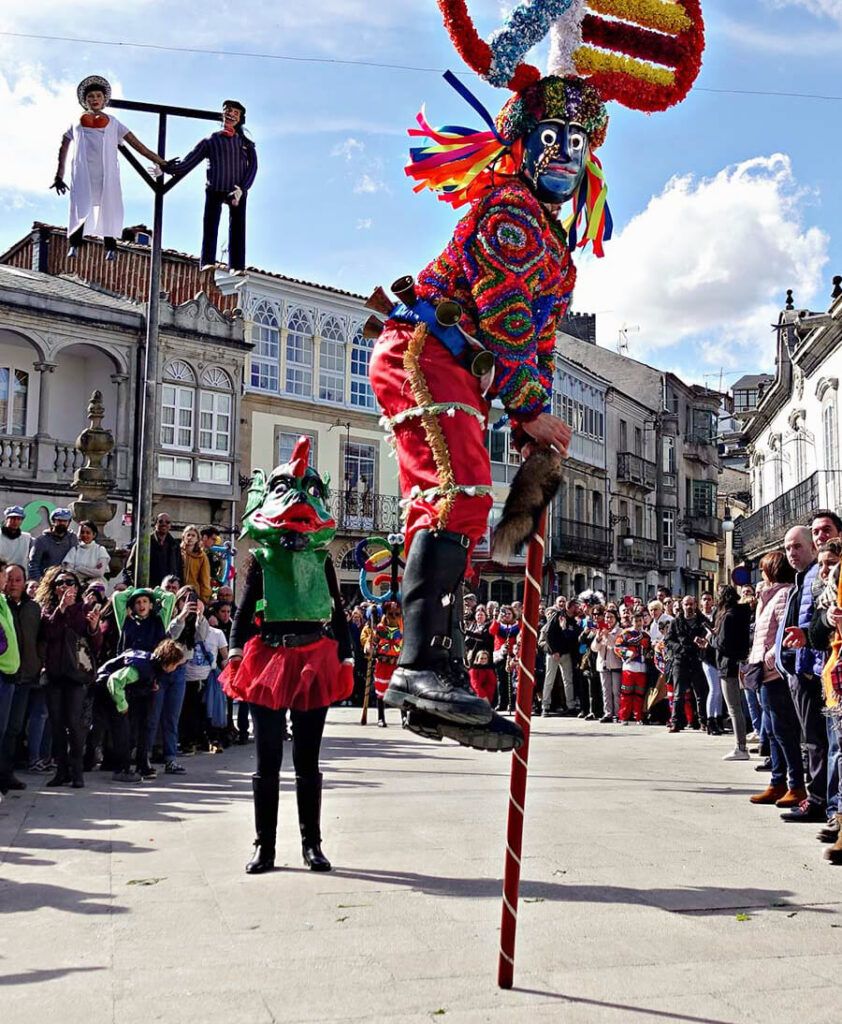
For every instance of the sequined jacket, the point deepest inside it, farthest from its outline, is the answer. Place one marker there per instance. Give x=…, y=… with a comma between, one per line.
x=509, y=267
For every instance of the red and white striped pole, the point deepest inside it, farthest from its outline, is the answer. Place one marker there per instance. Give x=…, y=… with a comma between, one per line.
x=520, y=758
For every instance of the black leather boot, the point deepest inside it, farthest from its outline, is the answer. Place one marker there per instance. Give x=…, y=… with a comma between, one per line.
x=500, y=734
x=265, y=792
x=381, y=713
x=308, y=792
x=427, y=676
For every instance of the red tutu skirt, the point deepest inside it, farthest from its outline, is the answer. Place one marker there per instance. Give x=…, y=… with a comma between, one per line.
x=301, y=678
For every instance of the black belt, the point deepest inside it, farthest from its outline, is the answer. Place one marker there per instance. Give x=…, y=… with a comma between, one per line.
x=292, y=639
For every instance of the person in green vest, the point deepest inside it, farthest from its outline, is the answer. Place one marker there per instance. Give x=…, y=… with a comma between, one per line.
x=282, y=654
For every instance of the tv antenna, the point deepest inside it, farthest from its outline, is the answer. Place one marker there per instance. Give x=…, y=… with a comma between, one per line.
x=623, y=338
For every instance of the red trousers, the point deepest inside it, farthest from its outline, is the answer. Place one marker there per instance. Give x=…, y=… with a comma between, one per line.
x=632, y=693
x=444, y=466
x=382, y=674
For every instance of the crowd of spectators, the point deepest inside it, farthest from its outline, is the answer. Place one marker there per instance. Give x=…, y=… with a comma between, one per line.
x=744, y=662
x=748, y=663
x=111, y=677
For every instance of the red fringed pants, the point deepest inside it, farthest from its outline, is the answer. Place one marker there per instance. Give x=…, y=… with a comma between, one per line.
x=632, y=692
x=438, y=417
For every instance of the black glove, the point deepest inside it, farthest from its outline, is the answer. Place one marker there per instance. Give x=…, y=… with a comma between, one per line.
x=171, y=166
x=59, y=185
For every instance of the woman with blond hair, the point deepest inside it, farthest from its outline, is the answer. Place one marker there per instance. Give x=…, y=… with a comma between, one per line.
x=196, y=565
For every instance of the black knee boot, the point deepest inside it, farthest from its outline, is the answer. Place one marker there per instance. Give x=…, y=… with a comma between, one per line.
x=265, y=793
x=308, y=791
x=427, y=676
x=381, y=713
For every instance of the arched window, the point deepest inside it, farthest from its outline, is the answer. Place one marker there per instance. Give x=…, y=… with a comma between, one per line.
x=349, y=561
x=178, y=397
x=266, y=353
x=332, y=361
x=299, y=353
x=215, y=407
x=361, y=393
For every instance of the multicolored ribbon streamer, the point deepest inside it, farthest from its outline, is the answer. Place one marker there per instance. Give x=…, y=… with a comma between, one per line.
x=590, y=213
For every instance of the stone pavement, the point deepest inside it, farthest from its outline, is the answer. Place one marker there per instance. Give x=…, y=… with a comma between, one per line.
x=651, y=891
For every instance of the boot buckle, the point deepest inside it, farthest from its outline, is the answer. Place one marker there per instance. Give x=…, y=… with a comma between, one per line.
x=445, y=642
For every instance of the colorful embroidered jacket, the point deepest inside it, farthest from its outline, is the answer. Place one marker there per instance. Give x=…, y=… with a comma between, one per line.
x=509, y=267
x=388, y=642
x=632, y=645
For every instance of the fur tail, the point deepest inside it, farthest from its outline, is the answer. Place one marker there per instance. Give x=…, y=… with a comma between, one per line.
x=533, y=488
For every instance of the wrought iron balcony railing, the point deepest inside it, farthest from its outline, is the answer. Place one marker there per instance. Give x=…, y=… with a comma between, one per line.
x=766, y=527
x=580, y=541
x=634, y=469
x=642, y=552
x=365, y=513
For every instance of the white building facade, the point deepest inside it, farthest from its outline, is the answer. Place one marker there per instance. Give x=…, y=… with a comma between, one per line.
x=792, y=437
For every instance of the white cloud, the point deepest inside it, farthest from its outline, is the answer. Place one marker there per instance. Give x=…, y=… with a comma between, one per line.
x=767, y=40
x=825, y=8
x=706, y=265
x=364, y=224
x=367, y=184
x=38, y=110
x=348, y=149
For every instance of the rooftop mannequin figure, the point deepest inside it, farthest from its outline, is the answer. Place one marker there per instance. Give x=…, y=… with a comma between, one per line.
x=96, y=199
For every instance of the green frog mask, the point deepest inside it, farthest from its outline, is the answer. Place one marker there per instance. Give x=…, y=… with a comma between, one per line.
x=289, y=509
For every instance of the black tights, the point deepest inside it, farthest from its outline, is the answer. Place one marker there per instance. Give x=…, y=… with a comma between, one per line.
x=269, y=731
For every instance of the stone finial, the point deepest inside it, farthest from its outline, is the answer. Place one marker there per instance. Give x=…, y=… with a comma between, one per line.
x=93, y=480
x=837, y=288
x=790, y=302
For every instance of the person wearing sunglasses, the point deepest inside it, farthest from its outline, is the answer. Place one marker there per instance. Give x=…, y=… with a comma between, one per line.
x=65, y=621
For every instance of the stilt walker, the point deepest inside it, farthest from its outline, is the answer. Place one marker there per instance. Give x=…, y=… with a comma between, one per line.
x=496, y=295
x=282, y=656
x=480, y=321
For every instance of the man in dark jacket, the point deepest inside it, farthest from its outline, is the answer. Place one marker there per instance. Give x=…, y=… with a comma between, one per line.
x=164, y=554
x=52, y=546
x=563, y=646
x=686, y=636
x=26, y=614
x=232, y=167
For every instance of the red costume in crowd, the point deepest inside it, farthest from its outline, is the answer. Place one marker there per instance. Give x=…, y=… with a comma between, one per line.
x=632, y=646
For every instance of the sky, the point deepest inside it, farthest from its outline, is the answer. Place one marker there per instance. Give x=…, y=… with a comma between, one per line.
x=720, y=204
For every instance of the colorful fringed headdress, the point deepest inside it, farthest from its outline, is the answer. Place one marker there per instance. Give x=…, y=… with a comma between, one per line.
x=645, y=54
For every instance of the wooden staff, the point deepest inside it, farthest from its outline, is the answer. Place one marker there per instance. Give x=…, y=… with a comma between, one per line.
x=369, y=672
x=520, y=758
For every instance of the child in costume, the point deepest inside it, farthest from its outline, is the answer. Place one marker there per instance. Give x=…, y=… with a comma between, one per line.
x=142, y=616
x=131, y=679
x=280, y=656
x=96, y=199
x=384, y=643
x=480, y=321
x=632, y=646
